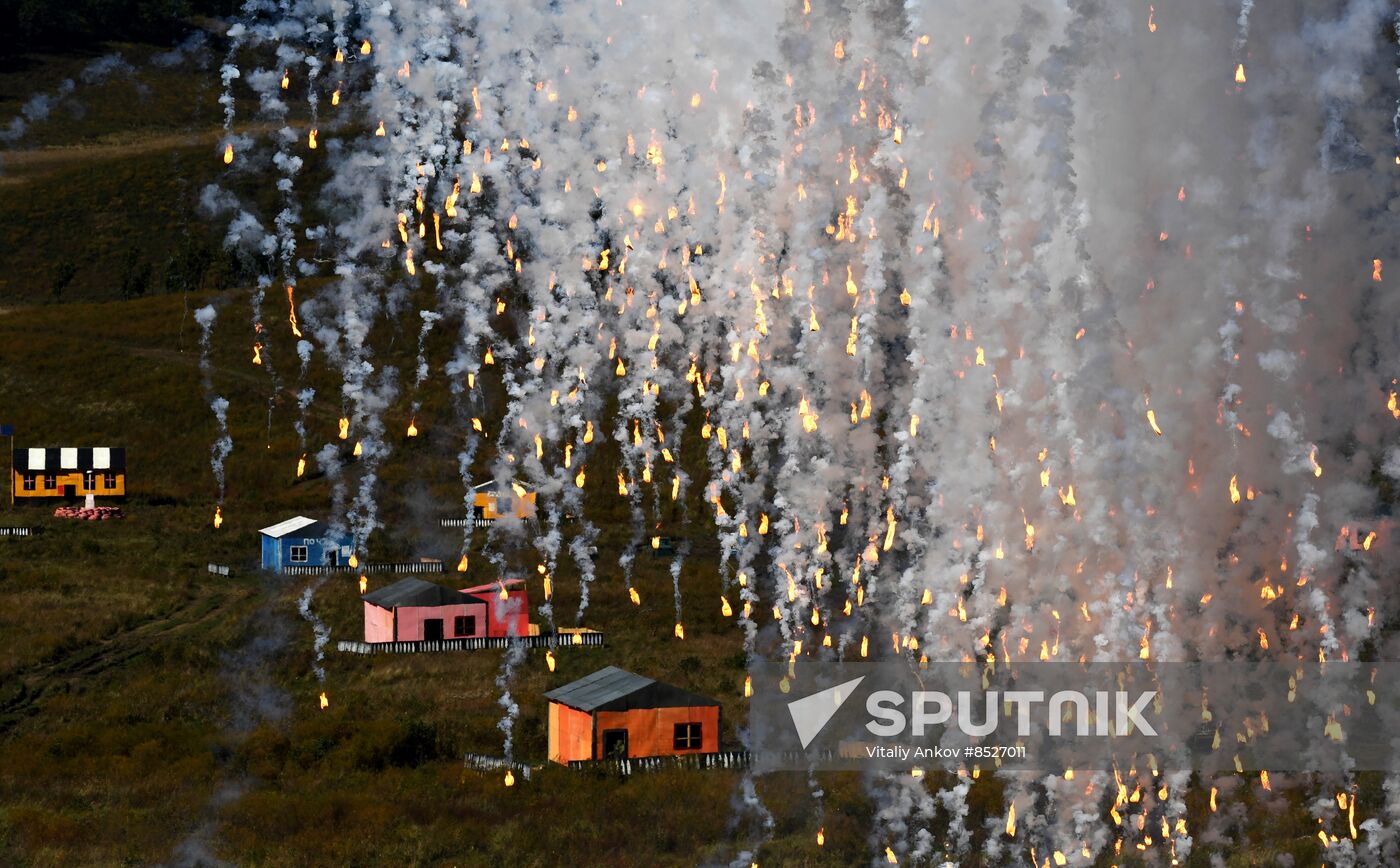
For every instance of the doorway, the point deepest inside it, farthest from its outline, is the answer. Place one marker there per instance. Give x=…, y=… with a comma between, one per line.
x=432, y=629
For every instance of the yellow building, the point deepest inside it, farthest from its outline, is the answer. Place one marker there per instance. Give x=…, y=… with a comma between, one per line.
x=69, y=472
x=492, y=502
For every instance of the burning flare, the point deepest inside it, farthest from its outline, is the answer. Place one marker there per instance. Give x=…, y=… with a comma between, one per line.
x=325, y=703
x=218, y=517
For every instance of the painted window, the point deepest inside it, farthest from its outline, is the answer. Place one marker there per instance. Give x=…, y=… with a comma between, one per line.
x=297, y=554
x=89, y=480
x=50, y=480
x=109, y=481
x=504, y=506
x=28, y=482
x=687, y=736
x=464, y=625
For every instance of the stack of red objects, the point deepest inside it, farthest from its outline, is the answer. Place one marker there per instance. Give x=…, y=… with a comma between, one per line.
x=96, y=513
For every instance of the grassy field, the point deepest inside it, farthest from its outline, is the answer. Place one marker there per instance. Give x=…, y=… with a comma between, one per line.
x=150, y=711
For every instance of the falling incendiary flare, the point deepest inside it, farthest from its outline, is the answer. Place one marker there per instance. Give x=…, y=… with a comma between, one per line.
x=890, y=857
x=1152, y=420
x=359, y=448
x=301, y=466
x=325, y=703
x=636, y=598
x=462, y=564
x=1375, y=267
x=364, y=584
x=257, y=354
x=218, y=517
x=413, y=427
x=1011, y=820
x=354, y=560
x=1239, y=74
x=344, y=428
x=680, y=631
x=748, y=686
x=821, y=836
x=549, y=659
x=510, y=778
x=228, y=154
x=365, y=47
x=311, y=140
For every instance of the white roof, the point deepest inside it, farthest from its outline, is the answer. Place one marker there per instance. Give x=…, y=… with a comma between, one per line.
x=282, y=528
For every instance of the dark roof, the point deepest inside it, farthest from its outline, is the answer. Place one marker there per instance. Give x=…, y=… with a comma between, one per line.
x=50, y=459
x=614, y=689
x=416, y=592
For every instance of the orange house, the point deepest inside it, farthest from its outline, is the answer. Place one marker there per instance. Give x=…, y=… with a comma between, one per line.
x=69, y=472
x=614, y=713
x=491, y=502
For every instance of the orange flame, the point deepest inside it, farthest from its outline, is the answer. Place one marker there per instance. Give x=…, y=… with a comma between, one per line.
x=301, y=466
x=325, y=703
x=292, y=310
x=1239, y=74
x=413, y=427
x=462, y=564
x=344, y=428
x=228, y=153
x=364, y=584
x=257, y=354
x=218, y=517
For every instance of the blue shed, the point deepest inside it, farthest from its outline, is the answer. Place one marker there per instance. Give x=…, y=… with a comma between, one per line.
x=300, y=542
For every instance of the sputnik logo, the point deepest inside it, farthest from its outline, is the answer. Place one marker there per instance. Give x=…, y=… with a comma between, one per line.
x=811, y=714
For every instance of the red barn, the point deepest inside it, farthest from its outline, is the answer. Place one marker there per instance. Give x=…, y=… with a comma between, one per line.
x=413, y=610
x=614, y=713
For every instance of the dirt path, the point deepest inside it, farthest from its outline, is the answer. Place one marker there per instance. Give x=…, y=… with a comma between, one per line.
x=27, y=687
x=24, y=166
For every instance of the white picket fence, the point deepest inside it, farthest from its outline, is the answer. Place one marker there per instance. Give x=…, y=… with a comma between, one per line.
x=466, y=522
x=725, y=759
x=18, y=531
x=219, y=569
x=482, y=763
x=551, y=640
x=402, y=567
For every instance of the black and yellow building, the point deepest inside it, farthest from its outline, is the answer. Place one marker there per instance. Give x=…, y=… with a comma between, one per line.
x=69, y=472
x=490, y=502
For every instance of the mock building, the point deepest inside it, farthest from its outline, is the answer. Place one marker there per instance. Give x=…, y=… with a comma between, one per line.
x=491, y=502
x=69, y=471
x=618, y=714
x=303, y=542
x=414, y=610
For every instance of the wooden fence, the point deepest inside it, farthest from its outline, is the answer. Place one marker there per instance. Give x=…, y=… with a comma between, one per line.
x=18, y=531
x=550, y=640
x=219, y=569
x=404, y=567
x=481, y=763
